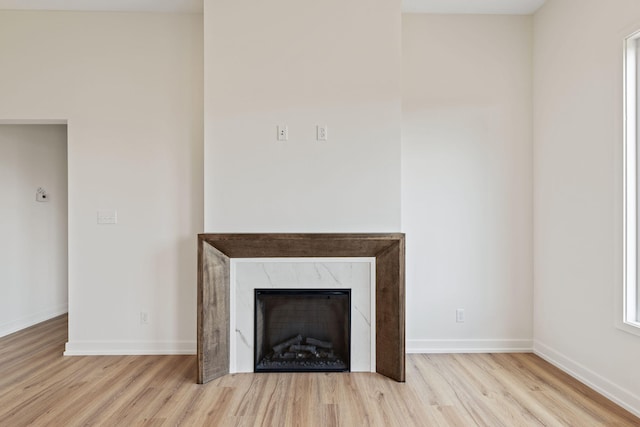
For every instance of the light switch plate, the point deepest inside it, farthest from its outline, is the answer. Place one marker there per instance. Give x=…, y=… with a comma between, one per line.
x=107, y=217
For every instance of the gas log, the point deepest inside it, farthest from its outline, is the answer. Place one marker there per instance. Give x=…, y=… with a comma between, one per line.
x=294, y=349
x=285, y=344
x=300, y=347
x=319, y=343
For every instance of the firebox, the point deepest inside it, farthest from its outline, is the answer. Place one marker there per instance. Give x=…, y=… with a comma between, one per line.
x=302, y=330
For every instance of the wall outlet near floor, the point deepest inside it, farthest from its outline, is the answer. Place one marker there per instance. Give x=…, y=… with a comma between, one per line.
x=283, y=132
x=460, y=315
x=321, y=132
x=144, y=318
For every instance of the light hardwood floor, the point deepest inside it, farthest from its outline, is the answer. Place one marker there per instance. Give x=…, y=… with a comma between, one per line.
x=40, y=387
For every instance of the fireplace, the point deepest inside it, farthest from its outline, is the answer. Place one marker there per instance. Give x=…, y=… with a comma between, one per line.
x=302, y=330
x=215, y=252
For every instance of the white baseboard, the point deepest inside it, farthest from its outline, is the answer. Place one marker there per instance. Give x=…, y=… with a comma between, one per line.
x=32, y=319
x=122, y=348
x=470, y=346
x=610, y=390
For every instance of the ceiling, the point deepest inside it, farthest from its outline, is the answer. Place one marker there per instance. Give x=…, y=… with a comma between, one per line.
x=509, y=7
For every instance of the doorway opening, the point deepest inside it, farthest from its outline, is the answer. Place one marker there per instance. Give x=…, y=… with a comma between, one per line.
x=34, y=211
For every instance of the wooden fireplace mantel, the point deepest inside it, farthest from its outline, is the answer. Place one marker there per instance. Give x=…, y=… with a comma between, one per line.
x=216, y=250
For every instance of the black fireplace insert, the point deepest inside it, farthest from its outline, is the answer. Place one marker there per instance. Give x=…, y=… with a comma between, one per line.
x=302, y=330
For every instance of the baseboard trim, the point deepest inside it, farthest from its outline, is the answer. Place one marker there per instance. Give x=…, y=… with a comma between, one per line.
x=470, y=346
x=610, y=390
x=128, y=348
x=32, y=319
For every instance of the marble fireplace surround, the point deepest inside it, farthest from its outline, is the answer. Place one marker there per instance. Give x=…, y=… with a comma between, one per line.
x=214, y=258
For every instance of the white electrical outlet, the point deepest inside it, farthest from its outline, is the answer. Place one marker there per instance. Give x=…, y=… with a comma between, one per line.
x=460, y=315
x=283, y=133
x=144, y=318
x=321, y=132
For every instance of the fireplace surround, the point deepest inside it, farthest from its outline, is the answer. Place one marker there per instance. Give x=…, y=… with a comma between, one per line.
x=216, y=250
x=355, y=273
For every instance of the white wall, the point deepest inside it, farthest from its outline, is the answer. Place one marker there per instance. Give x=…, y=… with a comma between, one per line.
x=130, y=86
x=578, y=206
x=302, y=64
x=33, y=248
x=467, y=181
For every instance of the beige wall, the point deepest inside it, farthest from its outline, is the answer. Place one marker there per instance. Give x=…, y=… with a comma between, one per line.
x=302, y=64
x=130, y=86
x=467, y=181
x=578, y=186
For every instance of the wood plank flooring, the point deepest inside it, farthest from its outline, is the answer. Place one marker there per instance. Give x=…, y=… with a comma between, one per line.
x=40, y=387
